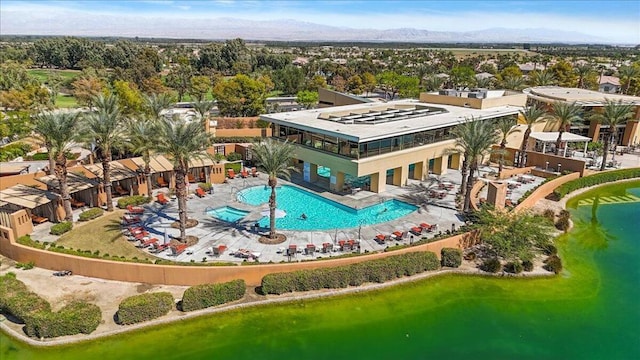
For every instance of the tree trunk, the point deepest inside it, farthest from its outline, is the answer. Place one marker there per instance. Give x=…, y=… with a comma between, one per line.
x=523, y=148
x=52, y=161
x=467, y=195
x=559, y=140
x=605, y=151
x=181, y=194
x=272, y=207
x=464, y=172
x=61, y=174
x=503, y=146
x=106, y=174
x=147, y=174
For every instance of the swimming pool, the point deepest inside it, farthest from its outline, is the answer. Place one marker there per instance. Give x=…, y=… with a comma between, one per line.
x=228, y=213
x=322, y=213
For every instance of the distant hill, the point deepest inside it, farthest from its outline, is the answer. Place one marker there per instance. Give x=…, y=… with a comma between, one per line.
x=84, y=24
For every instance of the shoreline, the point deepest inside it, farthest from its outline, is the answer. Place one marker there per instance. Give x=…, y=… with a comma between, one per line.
x=15, y=332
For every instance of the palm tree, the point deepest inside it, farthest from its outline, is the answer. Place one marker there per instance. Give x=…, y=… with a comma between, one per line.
x=142, y=140
x=40, y=124
x=627, y=73
x=155, y=103
x=506, y=128
x=475, y=138
x=59, y=130
x=531, y=115
x=432, y=83
x=513, y=83
x=182, y=141
x=613, y=113
x=203, y=108
x=565, y=114
x=484, y=82
x=275, y=160
x=105, y=129
x=542, y=78
x=583, y=72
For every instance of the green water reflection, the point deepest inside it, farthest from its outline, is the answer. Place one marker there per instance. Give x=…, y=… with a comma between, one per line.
x=588, y=312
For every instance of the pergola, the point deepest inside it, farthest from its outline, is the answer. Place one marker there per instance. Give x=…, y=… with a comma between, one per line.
x=552, y=137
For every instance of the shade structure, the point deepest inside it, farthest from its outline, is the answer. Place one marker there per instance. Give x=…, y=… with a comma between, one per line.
x=279, y=213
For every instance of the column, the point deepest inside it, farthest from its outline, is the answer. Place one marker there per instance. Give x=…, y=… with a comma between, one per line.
x=421, y=171
x=400, y=175
x=440, y=165
x=378, y=182
x=310, y=172
x=336, y=181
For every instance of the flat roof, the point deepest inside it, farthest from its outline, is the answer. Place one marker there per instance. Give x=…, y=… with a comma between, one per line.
x=582, y=97
x=552, y=136
x=312, y=120
x=75, y=182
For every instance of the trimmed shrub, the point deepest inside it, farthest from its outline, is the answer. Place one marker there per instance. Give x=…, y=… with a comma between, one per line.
x=61, y=228
x=549, y=214
x=379, y=270
x=207, y=295
x=234, y=156
x=491, y=265
x=17, y=301
x=12, y=151
x=599, y=178
x=553, y=264
x=28, y=241
x=78, y=317
x=144, y=307
x=514, y=267
x=25, y=266
x=91, y=214
x=550, y=249
x=470, y=256
x=134, y=200
x=451, y=257
x=527, y=265
x=205, y=186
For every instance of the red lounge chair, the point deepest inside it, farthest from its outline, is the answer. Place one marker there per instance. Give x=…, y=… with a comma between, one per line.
x=130, y=220
x=398, y=235
x=158, y=248
x=76, y=204
x=310, y=249
x=162, y=183
x=178, y=249
x=38, y=219
x=416, y=230
x=380, y=239
x=161, y=199
x=141, y=235
x=426, y=227
x=244, y=174
x=121, y=191
x=134, y=209
x=231, y=174
x=200, y=192
x=135, y=229
x=191, y=178
x=327, y=247
x=147, y=243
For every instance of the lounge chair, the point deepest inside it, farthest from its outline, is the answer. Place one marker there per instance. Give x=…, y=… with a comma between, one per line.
x=381, y=239
x=416, y=230
x=149, y=242
x=38, y=219
x=178, y=249
x=162, y=183
x=292, y=250
x=191, y=178
x=200, y=192
x=161, y=199
x=309, y=249
x=129, y=220
x=398, y=235
x=231, y=174
x=327, y=247
x=244, y=174
x=121, y=191
x=141, y=235
x=427, y=227
x=76, y=204
x=158, y=248
x=134, y=209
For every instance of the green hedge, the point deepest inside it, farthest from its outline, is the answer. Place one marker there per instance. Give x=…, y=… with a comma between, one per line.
x=379, y=271
x=234, y=166
x=28, y=241
x=91, y=214
x=451, y=257
x=78, y=317
x=61, y=228
x=236, y=139
x=207, y=295
x=600, y=178
x=17, y=301
x=13, y=151
x=144, y=307
x=134, y=200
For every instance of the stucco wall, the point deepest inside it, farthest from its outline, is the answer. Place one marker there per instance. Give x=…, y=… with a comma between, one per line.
x=544, y=190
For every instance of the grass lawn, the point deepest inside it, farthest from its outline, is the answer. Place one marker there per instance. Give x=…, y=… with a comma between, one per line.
x=43, y=74
x=66, y=101
x=102, y=234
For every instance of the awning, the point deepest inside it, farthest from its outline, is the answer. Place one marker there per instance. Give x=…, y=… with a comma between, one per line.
x=26, y=196
x=157, y=164
x=74, y=182
x=11, y=169
x=118, y=171
x=202, y=161
x=553, y=136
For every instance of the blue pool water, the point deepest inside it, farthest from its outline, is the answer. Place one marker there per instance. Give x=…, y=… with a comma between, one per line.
x=228, y=213
x=322, y=214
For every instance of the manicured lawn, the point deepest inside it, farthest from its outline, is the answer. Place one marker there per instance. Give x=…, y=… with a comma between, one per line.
x=66, y=101
x=102, y=234
x=43, y=75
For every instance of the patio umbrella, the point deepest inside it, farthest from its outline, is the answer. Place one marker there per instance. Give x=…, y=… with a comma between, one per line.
x=279, y=213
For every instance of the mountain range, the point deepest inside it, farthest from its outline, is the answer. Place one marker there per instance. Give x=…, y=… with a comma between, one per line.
x=76, y=24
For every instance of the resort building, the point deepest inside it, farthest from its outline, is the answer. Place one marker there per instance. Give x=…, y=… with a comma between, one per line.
x=371, y=145
x=591, y=101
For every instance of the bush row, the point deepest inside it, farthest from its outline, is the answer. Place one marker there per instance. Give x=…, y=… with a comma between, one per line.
x=379, y=271
x=91, y=214
x=13, y=151
x=600, y=178
x=27, y=241
x=451, y=257
x=144, y=307
x=61, y=228
x=134, y=200
x=236, y=139
x=78, y=317
x=17, y=301
x=207, y=295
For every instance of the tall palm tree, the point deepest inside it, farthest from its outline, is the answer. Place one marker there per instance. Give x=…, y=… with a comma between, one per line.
x=275, y=160
x=104, y=128
x=475, y=138
x=203, y=108
x=182, y=141
x=40, y=124
x=432, y=83
x=513, y=83
x=583, y=71
x=530, y=115
x=506, y=128
x=142, y=135
x=542, y=78
x=613, y=113
x=565, y=114
x=60, y=131
x=155, y=103
x=626, y=74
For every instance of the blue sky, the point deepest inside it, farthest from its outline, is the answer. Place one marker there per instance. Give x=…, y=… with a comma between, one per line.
x=616, y=20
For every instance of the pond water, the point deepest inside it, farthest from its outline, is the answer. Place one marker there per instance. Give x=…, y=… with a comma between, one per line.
x=590, y=311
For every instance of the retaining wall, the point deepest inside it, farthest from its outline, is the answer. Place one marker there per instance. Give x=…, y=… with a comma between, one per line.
x=544, y=190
